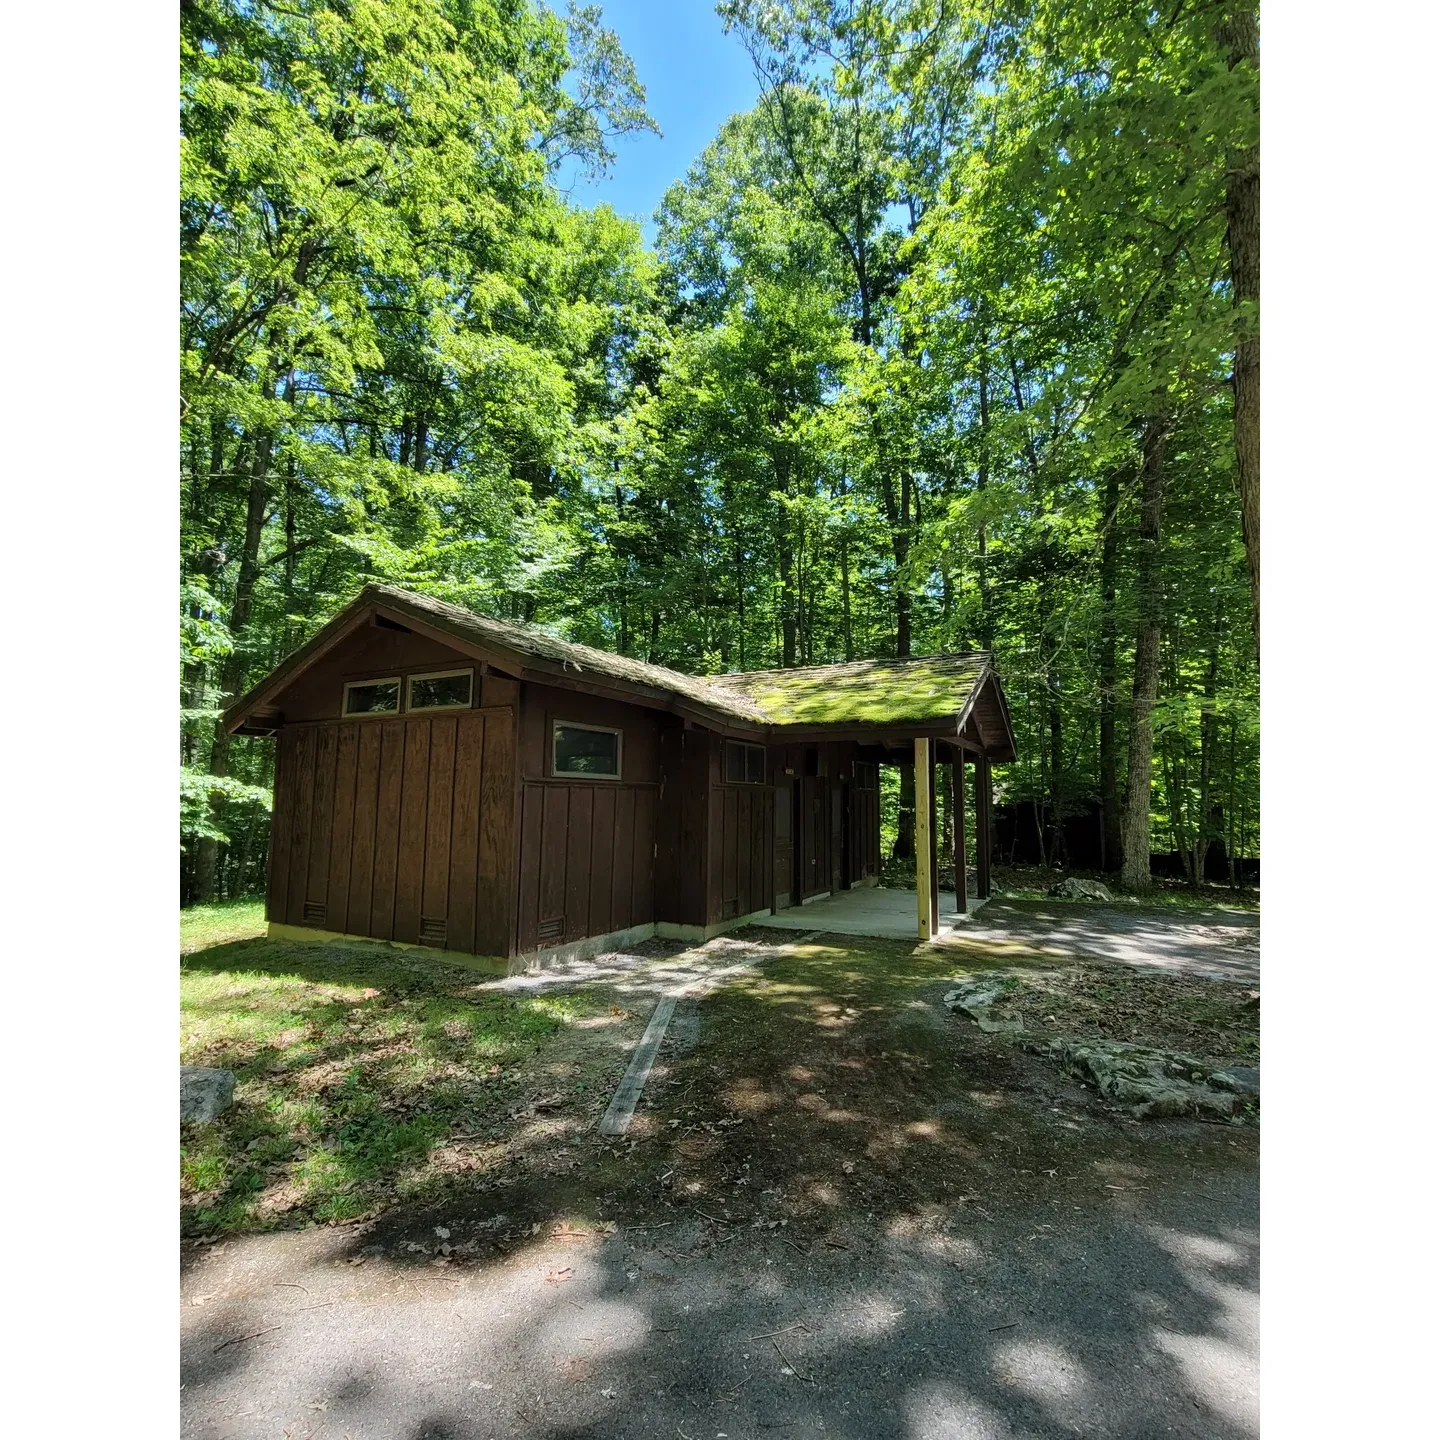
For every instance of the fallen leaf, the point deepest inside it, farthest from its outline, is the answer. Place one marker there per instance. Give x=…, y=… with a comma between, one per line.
x=556, y=1277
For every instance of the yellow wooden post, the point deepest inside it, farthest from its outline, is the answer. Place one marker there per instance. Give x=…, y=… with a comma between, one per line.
x=924, y=833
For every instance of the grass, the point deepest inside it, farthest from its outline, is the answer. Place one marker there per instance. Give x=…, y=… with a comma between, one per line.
x=204, y=925
x=355, y=1066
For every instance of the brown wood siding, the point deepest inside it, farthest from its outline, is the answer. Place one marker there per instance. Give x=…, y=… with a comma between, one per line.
x=587, y=860
x=682, y=826
x=410, y=860
x=864, y=833
x=342, y=831
x=277, y=871
x=587, y=852
x=398, y=829
x=370, y=653
x=495, y=867
x=387, y=831
x=362, y=835
x=741, y=868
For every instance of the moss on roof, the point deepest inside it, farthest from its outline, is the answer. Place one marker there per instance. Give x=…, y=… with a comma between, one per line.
x=579, y=659
x=870, y=692
x=866, y=692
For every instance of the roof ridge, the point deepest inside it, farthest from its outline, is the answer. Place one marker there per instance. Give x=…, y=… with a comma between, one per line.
x=866, y=660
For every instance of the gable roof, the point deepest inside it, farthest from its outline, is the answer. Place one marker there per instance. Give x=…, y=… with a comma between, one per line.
x=928, y=690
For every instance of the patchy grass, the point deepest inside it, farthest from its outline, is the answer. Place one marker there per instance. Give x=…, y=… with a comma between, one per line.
x=1206, y=1018
x=204, y=925
x=358, y=1070
x=832, y=1085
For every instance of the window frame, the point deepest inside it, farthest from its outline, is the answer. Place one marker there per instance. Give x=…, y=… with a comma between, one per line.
x=413, y=709
x=555, y=727
x=745, y=746
x=346, y=713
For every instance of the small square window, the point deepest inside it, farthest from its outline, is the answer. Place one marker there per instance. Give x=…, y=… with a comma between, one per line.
x=447, y=690
x=586, y=750
x=372, y=697
x=744, y=764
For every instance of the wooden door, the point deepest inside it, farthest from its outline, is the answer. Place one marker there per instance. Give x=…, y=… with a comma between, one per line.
x=785, y=845
x=814, y=835
x=838, y=878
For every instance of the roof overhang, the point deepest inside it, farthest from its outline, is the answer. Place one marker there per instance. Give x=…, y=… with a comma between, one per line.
x=979, y=726
x=254, y=713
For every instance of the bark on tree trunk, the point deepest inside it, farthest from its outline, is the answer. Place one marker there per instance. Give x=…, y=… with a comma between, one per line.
x=904, y=847
x=1240, y=35
x=207, y=854
x=1110, y=845
x=982, y=481
x=1135, y=819
x=1205, y=830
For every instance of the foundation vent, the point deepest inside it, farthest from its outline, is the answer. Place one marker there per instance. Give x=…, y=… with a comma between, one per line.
x=313, y=913
x=432, y=930
x=551, y=929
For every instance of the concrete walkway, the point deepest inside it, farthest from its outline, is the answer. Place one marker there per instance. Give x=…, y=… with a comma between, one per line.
x=885, y=914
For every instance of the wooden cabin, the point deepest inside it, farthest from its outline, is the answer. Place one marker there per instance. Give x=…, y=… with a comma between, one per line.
x=449, y=780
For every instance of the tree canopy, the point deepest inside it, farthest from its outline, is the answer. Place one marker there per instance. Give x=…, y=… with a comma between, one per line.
x=950, y=343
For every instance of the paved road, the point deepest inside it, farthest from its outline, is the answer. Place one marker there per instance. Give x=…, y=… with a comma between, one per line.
x=1135, y=1319
x=1220, y=942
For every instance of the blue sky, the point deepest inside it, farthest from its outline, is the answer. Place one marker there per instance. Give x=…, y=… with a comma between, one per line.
x=695, y=77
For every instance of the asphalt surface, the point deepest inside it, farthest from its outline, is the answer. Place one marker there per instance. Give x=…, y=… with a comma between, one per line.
x=1220, y=943
x=1138, y=1319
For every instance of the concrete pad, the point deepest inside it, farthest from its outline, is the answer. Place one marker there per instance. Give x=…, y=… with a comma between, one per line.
x=884, y=914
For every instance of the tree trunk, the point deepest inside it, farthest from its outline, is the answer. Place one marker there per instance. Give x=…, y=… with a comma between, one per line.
x=904, y=847
x=1110, y=845
x=1135, y=819
x=787, y=600
x=207, y=854
x=982, y=482
x=1058, y=847
x=1205, y=831
x=1240, y=35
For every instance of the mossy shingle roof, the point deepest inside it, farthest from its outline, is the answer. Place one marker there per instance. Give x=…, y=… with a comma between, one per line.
x=865, y=692
x=576, y=659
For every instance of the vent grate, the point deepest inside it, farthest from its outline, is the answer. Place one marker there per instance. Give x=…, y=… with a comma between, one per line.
x=551, y=929
x=432, y=930
x=314, y=912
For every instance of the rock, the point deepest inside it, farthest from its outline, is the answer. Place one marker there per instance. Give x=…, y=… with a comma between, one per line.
x=204, y=1093
x=1072, y=888
x=974, y=999
x=1155, y=1084
x=1241, y=1079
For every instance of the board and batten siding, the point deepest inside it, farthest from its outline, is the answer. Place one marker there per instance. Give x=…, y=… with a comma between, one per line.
x=587, y=859
x=742, y=822
x=398, y=829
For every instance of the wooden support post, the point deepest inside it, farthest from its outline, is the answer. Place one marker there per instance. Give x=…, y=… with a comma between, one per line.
x=924, y=837
x=982, y=826
x=962, y=901
x=934, y=847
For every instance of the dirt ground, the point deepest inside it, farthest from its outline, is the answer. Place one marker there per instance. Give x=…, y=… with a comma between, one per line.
x=839, y=1210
